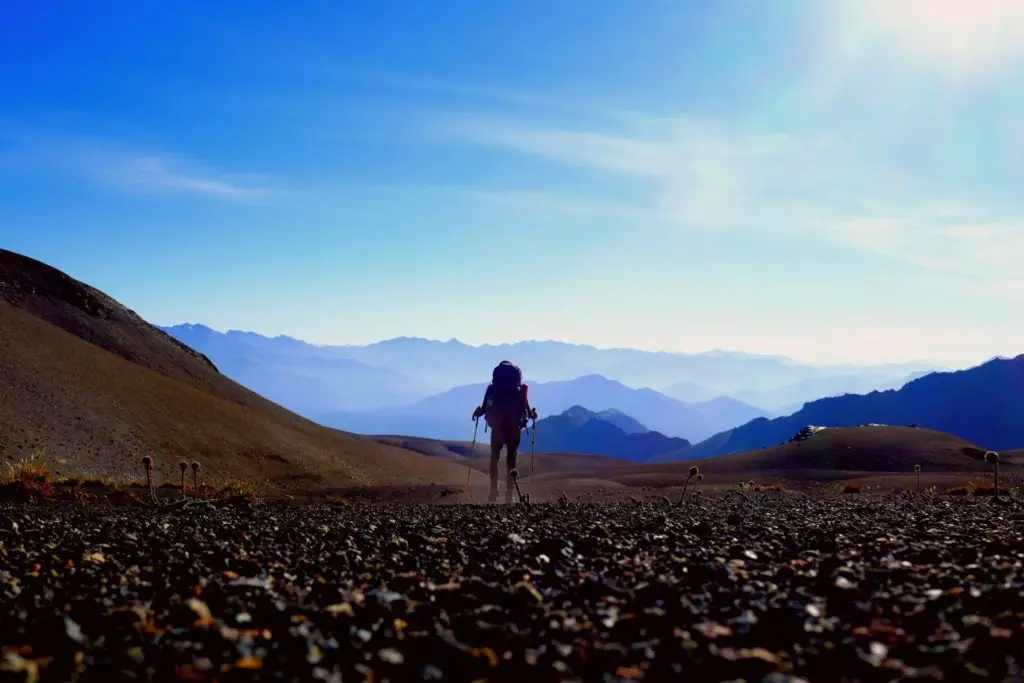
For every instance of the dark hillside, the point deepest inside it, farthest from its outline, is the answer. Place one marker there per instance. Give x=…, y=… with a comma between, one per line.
x=984, y=405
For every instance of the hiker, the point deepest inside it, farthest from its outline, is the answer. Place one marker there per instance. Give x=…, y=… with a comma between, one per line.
x=506, y=408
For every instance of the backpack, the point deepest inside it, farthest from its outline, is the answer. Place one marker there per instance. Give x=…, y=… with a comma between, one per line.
x=507, y=404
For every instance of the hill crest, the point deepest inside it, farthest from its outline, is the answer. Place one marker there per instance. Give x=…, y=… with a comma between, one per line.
x=90, y=383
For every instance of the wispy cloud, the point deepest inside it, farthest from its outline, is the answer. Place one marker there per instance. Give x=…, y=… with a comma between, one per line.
x=501, y=97
x=580, y=148
x=146, y=172
x=552, y=202
x=708, y=176
x=702, y=172
x=979, y=259
x=124, y=167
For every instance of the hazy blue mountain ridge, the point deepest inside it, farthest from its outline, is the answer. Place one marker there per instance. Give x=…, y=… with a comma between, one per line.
x=983, y=404
x=578, y=430
x=445, y=415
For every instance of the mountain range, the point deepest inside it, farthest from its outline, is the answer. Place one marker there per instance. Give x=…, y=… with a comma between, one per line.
x=313, y=379
x=307, y=379
x=446, y=415
x=90, y=383
x=578, y=430
x=90, y=386
x=983, y=405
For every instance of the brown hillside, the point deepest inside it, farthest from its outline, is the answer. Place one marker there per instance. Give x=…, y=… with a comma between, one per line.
x=840, y=450
x=93, y=385
x=548, y=464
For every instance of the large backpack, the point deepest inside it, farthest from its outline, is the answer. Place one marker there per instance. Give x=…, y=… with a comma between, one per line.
x=507, y=404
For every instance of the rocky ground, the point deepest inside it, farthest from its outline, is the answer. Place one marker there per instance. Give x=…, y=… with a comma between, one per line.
x=763, y=587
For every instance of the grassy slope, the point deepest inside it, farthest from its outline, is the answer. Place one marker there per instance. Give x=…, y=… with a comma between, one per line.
x=842, y=453
x=100, y=412
x=878, y=456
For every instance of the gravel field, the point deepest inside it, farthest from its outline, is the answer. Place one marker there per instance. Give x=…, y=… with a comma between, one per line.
x=763, y=587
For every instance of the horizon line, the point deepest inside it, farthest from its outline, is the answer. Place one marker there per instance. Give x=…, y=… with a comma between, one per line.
x=932, y=364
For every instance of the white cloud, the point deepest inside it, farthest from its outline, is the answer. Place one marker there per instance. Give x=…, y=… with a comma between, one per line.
x=587, y=149
x=700, y=171
x=978, y=259
x=810, y=186
x=551, y=202
x=124, y=167
x=148, y=172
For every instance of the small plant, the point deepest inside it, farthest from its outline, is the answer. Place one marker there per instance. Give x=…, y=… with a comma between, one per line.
x=980, y=487
x=513, y=474
x=30, y=476
x=992, y=458
x=195, y=478
x=852, y=487
x=238, y=490
x=183, y=466
x=694, y=471
x=696, y=486
x=147, y=463
x=750, y=486
x=917, y=471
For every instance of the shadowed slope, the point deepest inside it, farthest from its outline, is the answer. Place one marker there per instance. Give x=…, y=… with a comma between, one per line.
x=846, y=450
x=579, y=430
x=91, y=383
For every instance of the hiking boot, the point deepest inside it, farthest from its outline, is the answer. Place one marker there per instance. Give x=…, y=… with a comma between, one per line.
x=492, y=496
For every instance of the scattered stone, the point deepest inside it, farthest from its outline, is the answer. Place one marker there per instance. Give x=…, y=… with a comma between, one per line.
x=780, y=589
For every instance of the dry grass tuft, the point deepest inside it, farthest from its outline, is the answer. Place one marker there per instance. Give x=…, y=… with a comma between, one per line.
x=238, y=490
x=980, y=487
x=86, y=481
x=753, y=487
x=30, y=476
x=852, y=487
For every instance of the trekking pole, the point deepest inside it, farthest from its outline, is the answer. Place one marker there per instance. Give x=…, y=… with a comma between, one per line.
x=472, y=451
x=533, y=453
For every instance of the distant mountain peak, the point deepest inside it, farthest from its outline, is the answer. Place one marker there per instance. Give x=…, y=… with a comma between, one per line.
x=580, y=430
x=578, y=410
x=193, y=327
x=595, y=378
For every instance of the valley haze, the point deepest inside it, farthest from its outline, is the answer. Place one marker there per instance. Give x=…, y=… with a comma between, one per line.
x=425, y=387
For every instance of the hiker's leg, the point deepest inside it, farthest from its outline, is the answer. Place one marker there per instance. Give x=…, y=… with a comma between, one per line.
x=512, y=445
x=495, y=455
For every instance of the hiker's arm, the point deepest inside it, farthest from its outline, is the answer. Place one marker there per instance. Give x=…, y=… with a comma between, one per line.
x=480, y=410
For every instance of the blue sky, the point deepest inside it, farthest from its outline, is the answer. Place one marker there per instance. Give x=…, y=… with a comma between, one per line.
x=833, y=180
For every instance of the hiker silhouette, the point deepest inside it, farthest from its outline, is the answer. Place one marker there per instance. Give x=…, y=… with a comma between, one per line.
x=506, y=409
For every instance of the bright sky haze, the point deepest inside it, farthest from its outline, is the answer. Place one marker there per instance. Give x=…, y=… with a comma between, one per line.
x=832, y=180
